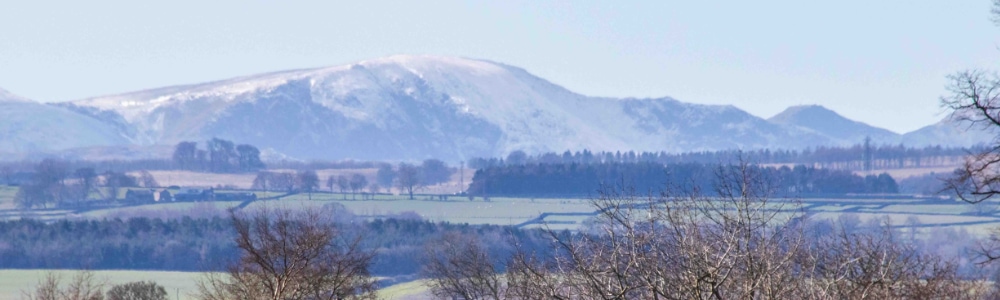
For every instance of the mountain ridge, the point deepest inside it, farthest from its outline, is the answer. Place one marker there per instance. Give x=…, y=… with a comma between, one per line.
x=830, y=123
x=507, y=108
x=408, y=107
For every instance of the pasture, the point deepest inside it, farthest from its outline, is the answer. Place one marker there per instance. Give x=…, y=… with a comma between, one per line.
x=245, y=181
x=179, y=285
x=923, y=213
x=917, y=215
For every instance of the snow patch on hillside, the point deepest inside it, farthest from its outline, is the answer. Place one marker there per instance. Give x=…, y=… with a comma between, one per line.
x=408, y=106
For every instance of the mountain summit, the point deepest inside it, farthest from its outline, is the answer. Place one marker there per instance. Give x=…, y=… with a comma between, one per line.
x=414, y=107
x=831, y=124
x=409, y=107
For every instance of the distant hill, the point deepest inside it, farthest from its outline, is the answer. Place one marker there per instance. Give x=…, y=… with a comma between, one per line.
x=832, y=125
x=28, y=126
x=414, y=107
x=949, y=132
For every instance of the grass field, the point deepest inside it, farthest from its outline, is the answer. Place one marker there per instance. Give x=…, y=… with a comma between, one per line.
x=499, y=211
x=923, y=215
x=179, y=285
x=405, y=291
x=553, y=213
x=900, y=174
x=245, y=181
x=7, y=197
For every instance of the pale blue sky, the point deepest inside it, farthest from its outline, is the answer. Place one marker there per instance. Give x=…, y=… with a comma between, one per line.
x=880, y=62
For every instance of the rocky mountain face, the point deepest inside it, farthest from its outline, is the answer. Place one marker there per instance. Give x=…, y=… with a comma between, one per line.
x=415, y=107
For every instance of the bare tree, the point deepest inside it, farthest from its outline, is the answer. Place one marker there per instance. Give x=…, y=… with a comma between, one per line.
x=459, y=266
x=358, y=182
x=261, y=181
x=47, y=185
x=733, y=242
x=283, y=181
x=185, y=155
x=292, y=255
x=82, y=286
x=249, y=158
x=408, y=178
x=343, y=184
x=434, y=171
x=6, y=172
x=873, y=263
x=385, y=175
x=87, y=178
x=138, y=290
x=307, y=181
x=374, y=188
x=975, y=100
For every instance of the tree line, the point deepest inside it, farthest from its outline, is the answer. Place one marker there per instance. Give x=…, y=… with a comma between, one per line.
x=406, y=177
x=218, y=156
x=409, y=178
x=561, y=180
x=54, y=184
x=856, y=157
x=199, y=244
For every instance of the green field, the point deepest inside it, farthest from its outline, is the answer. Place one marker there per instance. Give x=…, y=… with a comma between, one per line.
x=923, y=215
x=179, y=285
x=499, y=211
x=405, y=291
x=547, y=213
x=7, y=197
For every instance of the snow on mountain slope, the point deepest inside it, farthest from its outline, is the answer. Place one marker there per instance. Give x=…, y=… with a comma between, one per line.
x=28, y=126
x=831, y=124
x=414, y=107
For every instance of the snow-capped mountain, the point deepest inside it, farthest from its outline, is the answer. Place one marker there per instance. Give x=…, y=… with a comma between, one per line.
x=412, y=107
x=28, y=126
x=838, y=129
